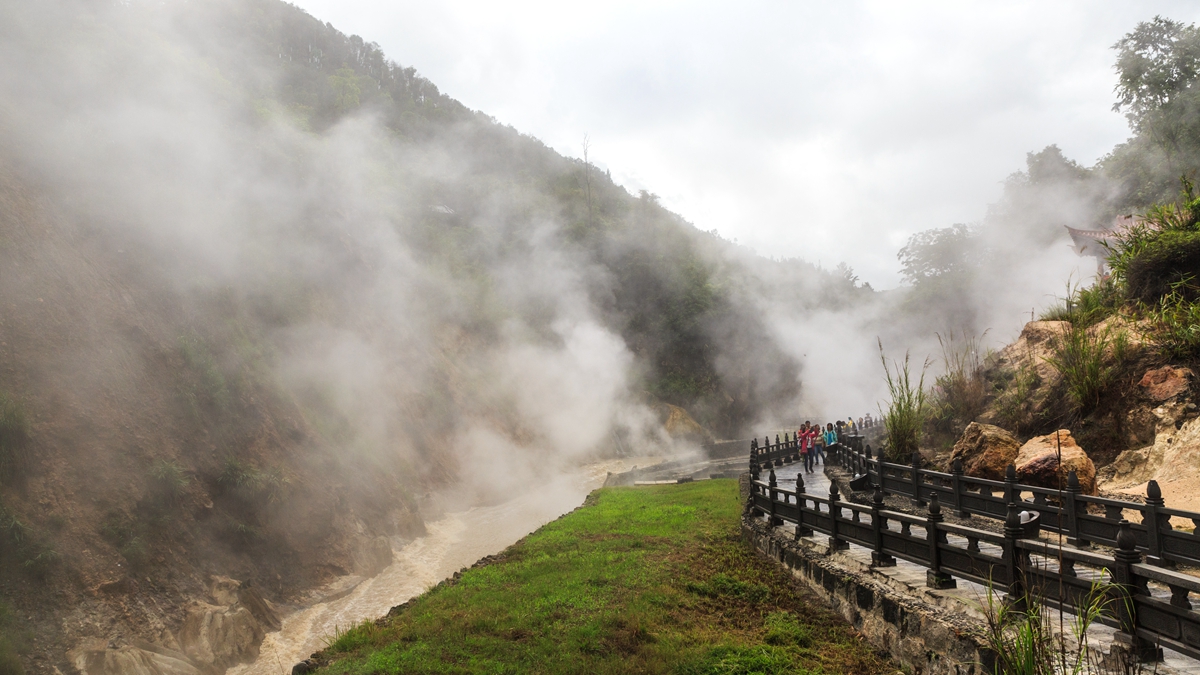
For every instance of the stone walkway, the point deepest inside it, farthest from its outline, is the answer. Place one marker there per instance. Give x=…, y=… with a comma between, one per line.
x=968, y=597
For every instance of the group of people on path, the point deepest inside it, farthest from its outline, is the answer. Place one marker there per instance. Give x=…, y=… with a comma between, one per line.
x=813, y=440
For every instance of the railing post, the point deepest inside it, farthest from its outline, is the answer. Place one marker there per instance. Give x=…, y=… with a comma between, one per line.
x=835, y=512
x=867, y=462
x=1071, y=507
x=1128, y=586
x=1011, y=496
x=802, y=530
x=956, y=475
x=773, y=494
x=935, y=577
x=916, y=479
x=879, y=524
x=1153, y=521
x=1015, y=560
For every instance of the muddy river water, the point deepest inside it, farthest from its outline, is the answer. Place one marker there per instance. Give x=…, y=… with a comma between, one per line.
x=453, y=541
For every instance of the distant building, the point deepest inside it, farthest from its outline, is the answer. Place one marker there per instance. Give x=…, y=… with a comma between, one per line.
x=1096, y=243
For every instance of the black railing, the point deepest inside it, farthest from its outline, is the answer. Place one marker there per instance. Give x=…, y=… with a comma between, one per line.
x=1015, y=562
x=1082, y=519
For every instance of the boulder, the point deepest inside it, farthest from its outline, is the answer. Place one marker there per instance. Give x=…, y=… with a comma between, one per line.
x=985, y=451
x=1038, y=462
x=1161, y=384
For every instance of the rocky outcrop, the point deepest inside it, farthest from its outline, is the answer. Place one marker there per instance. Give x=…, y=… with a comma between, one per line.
x=985, y=450
x=373, y=556
x=1162, y=384
x=96, y=657
x=216, y=637
x=1046, y=460
x=213, y=638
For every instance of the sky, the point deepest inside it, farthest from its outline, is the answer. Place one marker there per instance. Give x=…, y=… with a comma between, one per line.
x=825, y=131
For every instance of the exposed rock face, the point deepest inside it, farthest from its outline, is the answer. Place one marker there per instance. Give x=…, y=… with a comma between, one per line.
x=97, y=658
x=219, y=637
x=374, y=556
x=985, y=450
x=1038, y=462
x=1161, y=384
x=212, y=638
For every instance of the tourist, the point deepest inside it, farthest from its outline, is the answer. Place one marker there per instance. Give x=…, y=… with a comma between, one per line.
x=830, y=436
x=810, y=437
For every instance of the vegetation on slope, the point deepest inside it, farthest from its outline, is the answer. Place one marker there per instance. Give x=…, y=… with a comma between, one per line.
x=650, y=580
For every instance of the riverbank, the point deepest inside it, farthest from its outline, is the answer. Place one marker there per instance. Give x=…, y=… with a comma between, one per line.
x=649, y=579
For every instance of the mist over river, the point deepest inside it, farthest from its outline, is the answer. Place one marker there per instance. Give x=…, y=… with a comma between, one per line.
x=454, y=541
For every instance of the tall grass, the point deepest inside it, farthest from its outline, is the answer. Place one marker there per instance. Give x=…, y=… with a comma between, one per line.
x=905, y=415
x=14, y=437
x=1175, y=325
x=960, y=393
x=1086, y=306
x=1021, y=634
x=1088, y=362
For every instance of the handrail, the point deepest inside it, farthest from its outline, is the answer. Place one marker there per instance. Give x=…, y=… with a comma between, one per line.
x=1066, y=511
x=1142, y=620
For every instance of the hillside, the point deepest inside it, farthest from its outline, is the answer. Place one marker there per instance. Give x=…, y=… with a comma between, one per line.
x=265, y=292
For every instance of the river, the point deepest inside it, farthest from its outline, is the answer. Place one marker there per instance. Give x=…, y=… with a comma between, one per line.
x=452, y=542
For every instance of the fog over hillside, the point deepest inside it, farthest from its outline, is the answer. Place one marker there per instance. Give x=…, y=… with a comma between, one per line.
x=269, y=299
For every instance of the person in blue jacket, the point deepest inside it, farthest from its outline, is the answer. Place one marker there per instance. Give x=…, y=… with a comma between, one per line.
x=830, y=438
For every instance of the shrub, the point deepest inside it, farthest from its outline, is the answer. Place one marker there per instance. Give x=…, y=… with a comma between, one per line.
x=1086, y=306
x=1175, y=326
x=905, y=415
x=169, y=480
x=29, y=552
x=1166, y=263
x=1087, y=361
x=14, y=437
x=254, y=485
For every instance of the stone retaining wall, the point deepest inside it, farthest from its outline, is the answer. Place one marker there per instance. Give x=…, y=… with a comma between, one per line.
x=923, y=636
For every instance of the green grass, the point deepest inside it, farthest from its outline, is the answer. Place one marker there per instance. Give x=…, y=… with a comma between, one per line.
x=644, y=580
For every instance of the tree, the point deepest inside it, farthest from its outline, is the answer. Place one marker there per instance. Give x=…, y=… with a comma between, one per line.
x=938, y=253
x=1157, y=64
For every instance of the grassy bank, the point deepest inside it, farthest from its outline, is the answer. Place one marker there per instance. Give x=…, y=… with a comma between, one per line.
x=647, y=580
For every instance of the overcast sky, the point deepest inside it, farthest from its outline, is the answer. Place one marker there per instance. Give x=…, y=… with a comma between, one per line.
x=828, y=131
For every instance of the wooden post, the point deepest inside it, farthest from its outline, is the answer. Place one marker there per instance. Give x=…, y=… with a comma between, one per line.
x=1153, y=521
x=802, y=530
x=1071, y=508
x=1010, y=485
x=878, y=557
x=1015, y=560
x=775, y=520
x=1129, y=586
x=835, y=512
x=956, y=475
x=935, y=577
x=916, y=479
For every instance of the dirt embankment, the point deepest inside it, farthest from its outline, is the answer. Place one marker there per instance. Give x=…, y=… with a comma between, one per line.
x=1145, y=426
x=161, y=456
